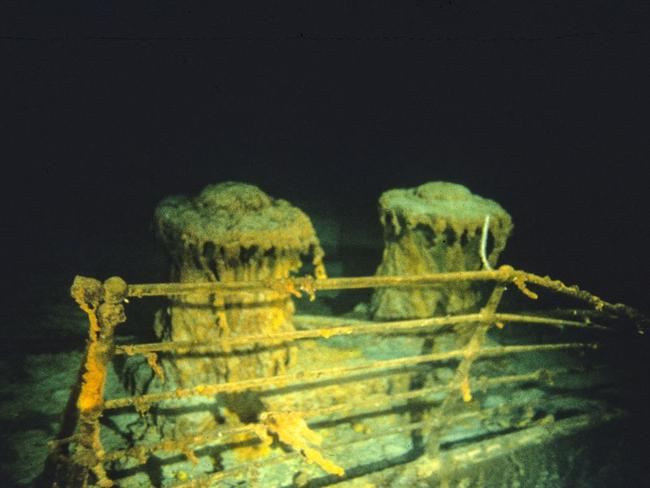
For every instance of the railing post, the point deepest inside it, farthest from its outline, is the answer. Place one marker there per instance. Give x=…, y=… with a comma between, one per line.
x=460, y=381
x=104, y=305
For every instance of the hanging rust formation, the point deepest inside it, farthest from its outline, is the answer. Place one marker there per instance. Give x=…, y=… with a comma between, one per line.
x=435, y=228
x=232, y=232
x=312, y=438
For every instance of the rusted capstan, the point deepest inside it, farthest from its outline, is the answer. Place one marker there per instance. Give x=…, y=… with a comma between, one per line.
x=233, y=232
x=434, y=228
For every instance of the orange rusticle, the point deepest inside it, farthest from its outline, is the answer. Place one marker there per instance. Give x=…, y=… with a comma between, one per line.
x=92, y=388
x=293, y=431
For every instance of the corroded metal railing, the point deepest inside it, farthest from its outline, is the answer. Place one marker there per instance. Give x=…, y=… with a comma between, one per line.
x=80, y=458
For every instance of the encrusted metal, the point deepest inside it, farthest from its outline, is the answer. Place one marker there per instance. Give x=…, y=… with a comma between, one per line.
x=324, y=396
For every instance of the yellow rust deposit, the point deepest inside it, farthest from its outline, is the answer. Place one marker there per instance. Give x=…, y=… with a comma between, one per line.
x=86, y=292
x=465, y=390
x=93, y=383
x=293, y=431
x=249, y=445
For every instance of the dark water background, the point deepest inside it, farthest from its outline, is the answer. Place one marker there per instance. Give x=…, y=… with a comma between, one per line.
x=106, y=109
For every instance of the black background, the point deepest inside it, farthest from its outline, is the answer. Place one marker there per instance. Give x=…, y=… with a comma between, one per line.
x=107, y=108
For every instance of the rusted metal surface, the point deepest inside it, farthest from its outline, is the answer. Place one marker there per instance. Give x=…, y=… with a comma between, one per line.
x=81, y=458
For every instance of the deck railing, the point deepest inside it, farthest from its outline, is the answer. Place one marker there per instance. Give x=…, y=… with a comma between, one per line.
x=81, y=459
